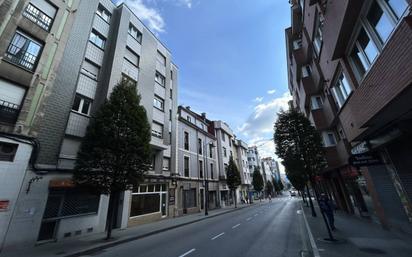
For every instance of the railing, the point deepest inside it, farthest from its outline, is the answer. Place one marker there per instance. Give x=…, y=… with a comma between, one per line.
x=157, y=134
x=37, y=16
x=8, y=111
x=21, y=57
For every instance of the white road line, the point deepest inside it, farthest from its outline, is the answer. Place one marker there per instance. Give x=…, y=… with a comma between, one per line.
x=188, y=252
x=235, y=226
x=256, y=214
x=249, y=218
x=221, y=234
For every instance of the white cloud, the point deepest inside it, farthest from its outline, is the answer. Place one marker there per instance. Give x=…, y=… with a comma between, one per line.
x=149, y=15
x=187, y=3
x=271, y=92
x=258, y=99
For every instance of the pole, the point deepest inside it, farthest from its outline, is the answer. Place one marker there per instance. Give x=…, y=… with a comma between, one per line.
x=310, y=202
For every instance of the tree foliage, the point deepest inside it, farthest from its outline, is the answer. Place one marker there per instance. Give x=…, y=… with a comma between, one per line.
x=257, y=180
x=269, y=187
x=298, y=144
x=233, y=179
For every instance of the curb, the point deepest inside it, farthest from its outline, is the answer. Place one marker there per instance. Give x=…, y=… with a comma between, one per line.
x=132, y=238
x=315, y=250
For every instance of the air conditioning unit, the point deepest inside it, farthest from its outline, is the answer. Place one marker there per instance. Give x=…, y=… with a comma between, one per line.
x=7, y=151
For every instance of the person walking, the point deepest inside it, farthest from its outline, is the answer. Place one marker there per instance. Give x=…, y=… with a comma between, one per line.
x=327, y=207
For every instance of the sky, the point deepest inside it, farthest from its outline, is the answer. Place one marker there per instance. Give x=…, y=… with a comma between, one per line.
x=231, y=57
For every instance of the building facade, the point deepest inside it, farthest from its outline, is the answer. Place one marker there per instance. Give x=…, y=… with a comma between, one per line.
x=239, y=149
x=61, y=60
x=346, y=73
x=197, y=174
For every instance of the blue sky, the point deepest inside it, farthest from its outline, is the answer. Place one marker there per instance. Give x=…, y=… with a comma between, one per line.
x=231, y=57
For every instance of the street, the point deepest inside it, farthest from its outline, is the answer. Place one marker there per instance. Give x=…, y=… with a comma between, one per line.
x=269, y=229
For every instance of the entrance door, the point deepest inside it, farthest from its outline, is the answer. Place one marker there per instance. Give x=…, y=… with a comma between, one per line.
x=163, y=207
x=50, y=222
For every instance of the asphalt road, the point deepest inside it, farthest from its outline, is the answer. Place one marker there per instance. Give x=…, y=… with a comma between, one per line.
x=269, y=229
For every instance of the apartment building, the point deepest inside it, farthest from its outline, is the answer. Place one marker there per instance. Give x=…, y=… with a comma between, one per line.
x=197, y=180
x=347, y=69
x=239, y=149
x=273, y=167
x=224, y=136
x=55, y=73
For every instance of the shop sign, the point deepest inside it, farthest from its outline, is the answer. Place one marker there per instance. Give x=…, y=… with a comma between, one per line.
x=369, y=159
x=172, y=198
x=4, y=205
x=360, y=148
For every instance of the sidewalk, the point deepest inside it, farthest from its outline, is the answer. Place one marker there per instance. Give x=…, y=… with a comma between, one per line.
x=358, y=237
x=89, y=244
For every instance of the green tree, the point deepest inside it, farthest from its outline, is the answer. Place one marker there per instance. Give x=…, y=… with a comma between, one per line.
x=116, y=151
x=233, y=179
x=299, y=145
x=257, y=180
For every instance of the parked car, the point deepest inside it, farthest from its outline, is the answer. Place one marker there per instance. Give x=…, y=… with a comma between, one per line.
x=293, y=193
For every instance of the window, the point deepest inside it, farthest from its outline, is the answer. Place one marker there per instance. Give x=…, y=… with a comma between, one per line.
x=89, y=69
x=329, y=139
x=159, y=103
x=186, y=141
x=230, y=141
x=136, y=34
x=7, y=151
x=161, y=59
x=380, y=21
x=97, y=39
x=397, y=6
x=316, y=102
x=318, y=33
x=223, y=136
x=200, y=146
x=166, y=163
x=210, y=150
x=224, y=152
x=157, y=130
x=171, y=93
x=128, y=80
x=170, y=115
x=82, y=104
x=297, y=44
x=341, y=90
x=189, y=198
x=132, y=57
x=24, y=51
x=144, y=204
x=41, y=13
x=306, y=71
x=153, y=164
x=160, y=79
x=186, y=166
x=11, y=97
x=200, y=168
x=103, y=13
x=211, y=171
x=188, y=118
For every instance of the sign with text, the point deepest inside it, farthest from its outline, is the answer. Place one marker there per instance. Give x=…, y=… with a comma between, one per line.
x=368, y=159
x=172, y=196
x=4, y=205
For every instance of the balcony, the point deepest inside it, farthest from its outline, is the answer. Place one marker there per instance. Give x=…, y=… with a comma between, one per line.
x=318, y=118
x=9, y=112
x=296, y=19
x=336, y=156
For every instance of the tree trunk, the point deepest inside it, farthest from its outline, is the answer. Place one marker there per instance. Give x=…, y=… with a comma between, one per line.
x=234, y=191
x=302, y=193
x=110, y=214
x=310, y=202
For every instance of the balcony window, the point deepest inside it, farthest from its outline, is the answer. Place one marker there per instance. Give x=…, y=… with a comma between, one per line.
x=97, y=39
x=161, y=59
x=157, y=130
x=11, y=97
x=24, y=51
x=318, y=40
x=166, y=163
x=41, y=13
x=186, y=166
x=135, y=33
x=380, y=21
x=329, y=138
x=341, y=90
x=160, y=79
x=186, y=141
x=91, y=70
x=306, y=71
x=132, y=57
x=159, y=103
x=297, y=44
x=82, y=104
x=316, y=102
x=103, y=13
x=398, y=7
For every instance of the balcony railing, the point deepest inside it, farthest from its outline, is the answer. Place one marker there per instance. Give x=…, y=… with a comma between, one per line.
x=37, y=16
x=20, y=57
x=8, y=111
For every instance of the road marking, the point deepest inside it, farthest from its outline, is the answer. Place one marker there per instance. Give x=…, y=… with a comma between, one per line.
x=256, y=214
x=235, y=226
x=188, y=252
x=221, y=234
x=249, y=218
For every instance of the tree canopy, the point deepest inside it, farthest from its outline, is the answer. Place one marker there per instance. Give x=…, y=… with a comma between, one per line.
x=257, y=180
x=233, y=179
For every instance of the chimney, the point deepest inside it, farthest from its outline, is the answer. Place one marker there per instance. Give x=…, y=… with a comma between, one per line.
x=203, y=115
x=188, y=107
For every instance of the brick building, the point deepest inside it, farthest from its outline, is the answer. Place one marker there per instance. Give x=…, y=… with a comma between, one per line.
x=349, y=73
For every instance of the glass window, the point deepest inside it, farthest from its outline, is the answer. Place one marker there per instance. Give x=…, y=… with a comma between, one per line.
x=160, y=79
x=316, y=102
x=211, y=151
x=223, y=136
x=397, y=6
x=103, y=13
x=90, y=69
x=166, y=163
x=211, y=171
x=367, y=46
x=224, y=152
x=188, y=118
x=318, y=34
x=186, y=141
x=157, y=130
x=380, y=21
x=81, y=104
x=200, y=169
x=306, y=71
x=24, y=51
x=158, y=103
x=341, y=90
x=144, y=204
x=132, y=57
x=135, y=33
x=97, y=39
x=200, y=146
x=42, y=17
x=186, y=166
x=161, y=59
